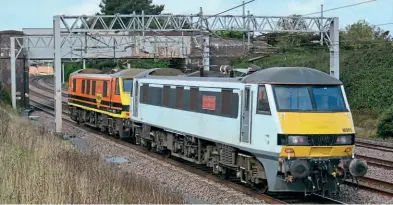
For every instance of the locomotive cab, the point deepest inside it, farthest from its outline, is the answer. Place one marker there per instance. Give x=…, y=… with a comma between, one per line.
x=309, y=125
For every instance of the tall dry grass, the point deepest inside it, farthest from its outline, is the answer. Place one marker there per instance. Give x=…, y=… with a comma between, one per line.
x=38, y=167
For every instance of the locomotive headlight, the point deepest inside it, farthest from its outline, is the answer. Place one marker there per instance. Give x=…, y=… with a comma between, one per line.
x=344, y=140
x=297, y=140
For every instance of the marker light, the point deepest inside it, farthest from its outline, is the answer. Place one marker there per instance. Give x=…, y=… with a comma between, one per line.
x=297, y=140
x=344, y=140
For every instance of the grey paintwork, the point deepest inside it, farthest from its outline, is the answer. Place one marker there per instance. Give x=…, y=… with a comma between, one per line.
x=274, y=75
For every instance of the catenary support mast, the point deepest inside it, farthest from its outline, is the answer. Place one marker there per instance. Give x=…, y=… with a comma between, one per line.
x=13, y=73
x=57, y=68
x=334, y=49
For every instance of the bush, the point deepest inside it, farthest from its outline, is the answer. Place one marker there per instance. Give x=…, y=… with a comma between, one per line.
x=4, y=96
x=385, y=124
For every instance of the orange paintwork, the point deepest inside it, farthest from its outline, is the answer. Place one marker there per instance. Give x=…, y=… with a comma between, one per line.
x=99, y=96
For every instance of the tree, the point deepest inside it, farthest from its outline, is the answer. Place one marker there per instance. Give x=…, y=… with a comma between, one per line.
x=293, y=22
x=230, y=34
x=289, y=40
x=111, y=7
x=362, y=34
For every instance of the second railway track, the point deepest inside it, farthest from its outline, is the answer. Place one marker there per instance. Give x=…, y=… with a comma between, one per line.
x=375, y=146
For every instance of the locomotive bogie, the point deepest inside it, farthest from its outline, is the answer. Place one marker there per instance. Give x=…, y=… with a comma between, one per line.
x=105, y=123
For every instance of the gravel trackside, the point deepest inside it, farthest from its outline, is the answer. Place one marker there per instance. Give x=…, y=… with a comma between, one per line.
x=194, y=188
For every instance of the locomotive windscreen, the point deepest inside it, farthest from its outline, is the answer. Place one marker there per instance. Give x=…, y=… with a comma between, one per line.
x=309, y=98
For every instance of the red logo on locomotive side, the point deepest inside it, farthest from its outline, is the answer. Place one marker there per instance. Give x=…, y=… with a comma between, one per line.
x=209, y=102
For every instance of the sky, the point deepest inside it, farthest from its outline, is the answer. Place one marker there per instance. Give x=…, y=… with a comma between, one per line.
x=18, y=14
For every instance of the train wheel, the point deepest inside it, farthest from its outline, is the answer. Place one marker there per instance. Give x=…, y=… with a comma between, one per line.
x=103, y=129
x=261, y=186
x=167, y=153
x=149, y=147
x=111, y=131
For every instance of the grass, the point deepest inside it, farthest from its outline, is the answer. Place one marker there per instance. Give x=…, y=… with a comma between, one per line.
x=38, y=167
x=366, y=121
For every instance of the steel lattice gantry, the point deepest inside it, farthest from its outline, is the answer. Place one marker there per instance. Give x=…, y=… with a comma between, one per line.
x=71, y=27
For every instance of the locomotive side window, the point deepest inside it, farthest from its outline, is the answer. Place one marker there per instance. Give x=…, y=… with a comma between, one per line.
x=83, y=86
x=166, y=96
x=263, y=102
x=247, y=101
x=194, y=99
x=105, y=90
x=74, y=85
x=226, y=102
x=88, y=87
x=179, y=97
x=117, y=88
x=93, y=91
x=145, y=93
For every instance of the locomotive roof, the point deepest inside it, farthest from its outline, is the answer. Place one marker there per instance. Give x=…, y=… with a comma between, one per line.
x=130, y=73
x=291, y=75
x=127, y=73
x=273, y=75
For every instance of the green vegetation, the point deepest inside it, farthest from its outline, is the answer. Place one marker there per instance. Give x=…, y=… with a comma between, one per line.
x=366, y=68
x=111, y=7
x=4, y=96
x=385, y=123
x=38, y=167
x=229, y=34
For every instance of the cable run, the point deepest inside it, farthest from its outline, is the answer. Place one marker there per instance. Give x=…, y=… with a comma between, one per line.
x=341, y=7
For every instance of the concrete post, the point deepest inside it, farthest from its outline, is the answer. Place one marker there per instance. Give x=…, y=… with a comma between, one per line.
x=334, y=49
x=248, y=31
x=62, y=73
x=57, y=67
x=13, y=72
x=206, y=53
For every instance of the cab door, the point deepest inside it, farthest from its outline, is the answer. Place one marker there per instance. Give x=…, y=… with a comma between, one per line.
x=135, y=99
x=246, y=118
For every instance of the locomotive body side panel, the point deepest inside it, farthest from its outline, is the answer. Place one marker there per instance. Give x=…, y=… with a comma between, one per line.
x=193, y=109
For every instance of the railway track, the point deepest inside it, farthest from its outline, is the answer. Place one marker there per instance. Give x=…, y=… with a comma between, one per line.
x=381, y=163
x=374, y=185
x=234, y=183
x=40, y=83
x=375, y=146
